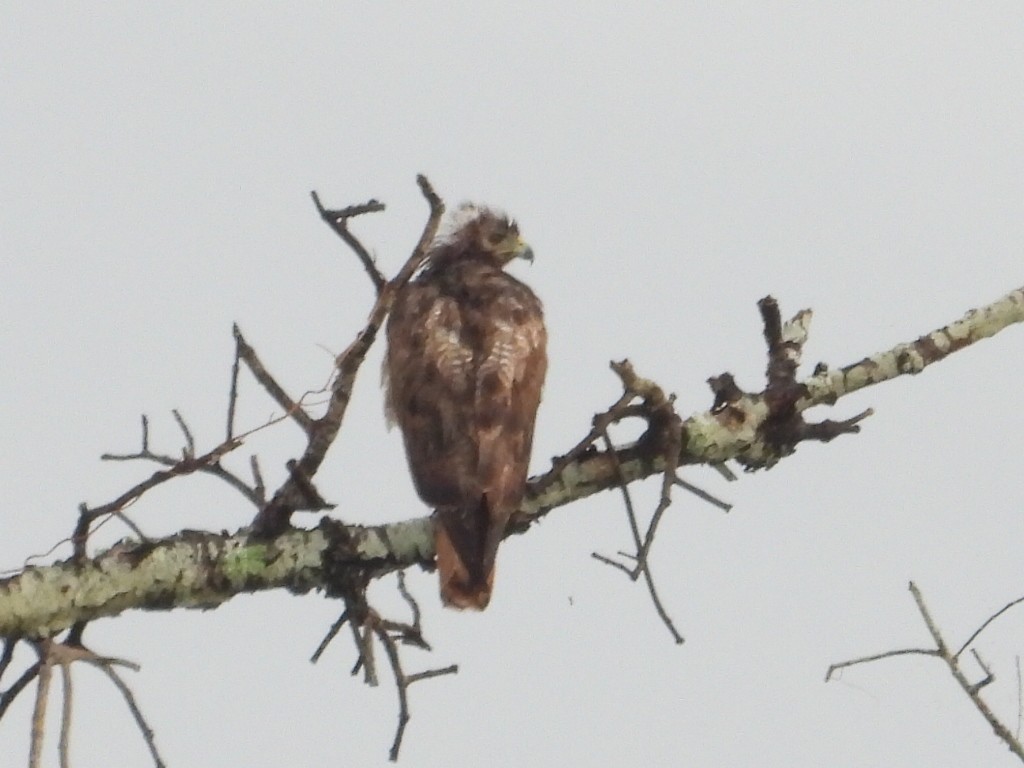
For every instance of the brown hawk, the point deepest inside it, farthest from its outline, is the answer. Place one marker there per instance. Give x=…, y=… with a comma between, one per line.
x=463, y=374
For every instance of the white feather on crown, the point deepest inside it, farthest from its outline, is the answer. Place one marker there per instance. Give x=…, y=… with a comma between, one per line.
x=458, y=219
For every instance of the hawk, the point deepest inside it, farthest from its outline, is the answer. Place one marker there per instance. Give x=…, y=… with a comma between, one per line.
x=463, y=373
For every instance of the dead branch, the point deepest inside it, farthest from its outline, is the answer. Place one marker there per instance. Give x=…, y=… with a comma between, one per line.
x=292, y=408
x=391, y=634
x=952, y=662
x=63, y=655
x=209, y=463
x=275, y=516
x=338, y=221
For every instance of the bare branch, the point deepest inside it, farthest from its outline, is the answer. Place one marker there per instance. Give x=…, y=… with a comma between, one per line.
x=331, y=634
x=402, y=683
x=39, y=711
x=213, y=468
x=826, y=386
x=364, y=644
x=627, y=501
x=63, y=747
x=613, y=563
x=1020, y=697
x=989, y=677
x=7, y=697
x=952, y=661
x=140, y=721
x=205, y=463
x=451, y=669
x=703, y=495
x=7, y=655
x=672, y=450
x=252, y=361
x=664, y=429
x=259, y=488
x=338, y=221
x=403, y=590
x=189, y=451
x=402, y=687
x=833, y=668
x=236, y=367
x=985, y=624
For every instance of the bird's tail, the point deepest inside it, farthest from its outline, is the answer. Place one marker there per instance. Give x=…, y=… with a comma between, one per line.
x=466, y=541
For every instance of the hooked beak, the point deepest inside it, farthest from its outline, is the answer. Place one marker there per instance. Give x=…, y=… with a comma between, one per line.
x=523, y=251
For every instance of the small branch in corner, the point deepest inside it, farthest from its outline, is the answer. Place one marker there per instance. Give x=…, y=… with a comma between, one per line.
x=952, y=660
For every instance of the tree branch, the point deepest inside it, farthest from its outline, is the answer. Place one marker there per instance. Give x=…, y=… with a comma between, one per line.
x=200, y=569
x=952, y=662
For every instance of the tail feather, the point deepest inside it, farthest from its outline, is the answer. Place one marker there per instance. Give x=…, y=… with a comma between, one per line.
x=465, y=542
x=459, y=589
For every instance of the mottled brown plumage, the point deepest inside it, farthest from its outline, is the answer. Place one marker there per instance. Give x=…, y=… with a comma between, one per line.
x=464, y=369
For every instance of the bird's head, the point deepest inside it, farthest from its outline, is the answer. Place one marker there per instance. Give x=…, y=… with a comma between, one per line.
x=487, y=232
x=499, y=235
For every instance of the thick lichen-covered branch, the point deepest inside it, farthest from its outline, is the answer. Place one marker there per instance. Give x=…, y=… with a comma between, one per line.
x=197, y=569
x=826, y=386
x=202, y=569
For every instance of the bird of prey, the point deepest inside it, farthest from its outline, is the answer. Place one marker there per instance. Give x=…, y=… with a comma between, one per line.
x=463, y=374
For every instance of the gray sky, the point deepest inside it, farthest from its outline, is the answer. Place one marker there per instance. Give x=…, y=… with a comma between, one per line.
x=670, y=165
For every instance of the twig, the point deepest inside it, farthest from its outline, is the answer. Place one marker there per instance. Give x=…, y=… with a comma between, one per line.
x=189, y=451
x=660, y=608
x=64, y=655
x=989, y=677
x=7, y=697
x=952, y=661
x=259, y=489
x=403, y=590
x=985, y=624
x=402, y=683
x=627, y=500
x=147, y=733
x=833, y=668
x=970, y=689
x=1020, y=697
x=331, y=634
x=364, y=643
x=672, y=433
x=63, y=747
x=207, y=463
x=7, y=655
x=39, y=711
x=451, y=669
x=613, y=563
x=236, y=366
x=703, y=495
x=188, y=465
x=338, y=221
x=665, y=429
x=252, y=361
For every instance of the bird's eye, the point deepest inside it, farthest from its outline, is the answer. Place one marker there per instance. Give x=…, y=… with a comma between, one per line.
x=495, y=237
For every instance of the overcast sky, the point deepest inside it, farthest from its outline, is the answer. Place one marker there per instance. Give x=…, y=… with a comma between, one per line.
x=670, y=164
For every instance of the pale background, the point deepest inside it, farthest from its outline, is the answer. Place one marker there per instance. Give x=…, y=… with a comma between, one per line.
x=670, y=163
